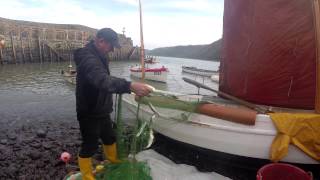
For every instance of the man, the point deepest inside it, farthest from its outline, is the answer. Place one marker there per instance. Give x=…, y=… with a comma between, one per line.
x=94, y=90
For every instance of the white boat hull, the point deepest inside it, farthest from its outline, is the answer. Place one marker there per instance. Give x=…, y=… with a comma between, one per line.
x=205, y=73
x=69, y=76
x=215, y=78
x=153, y=76
x=219, y=135
x=71, y=79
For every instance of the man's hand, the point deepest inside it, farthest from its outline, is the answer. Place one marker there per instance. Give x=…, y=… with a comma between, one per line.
x=140, y=89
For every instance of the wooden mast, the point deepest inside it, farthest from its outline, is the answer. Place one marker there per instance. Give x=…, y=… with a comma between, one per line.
x=316, y=6
x=141, y=45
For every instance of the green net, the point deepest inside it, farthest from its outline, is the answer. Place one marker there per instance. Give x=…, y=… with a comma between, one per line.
x=125, y=171
x=133, y=139
x=130, y=141
x=170, y=103
x=122, y=171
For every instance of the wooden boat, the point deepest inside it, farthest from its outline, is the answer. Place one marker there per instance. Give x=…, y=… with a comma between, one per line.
x=154, y=74
x=215, y=78
x=260, y=70
x=148, y=73
x=150, y=60
x=216, y=134
x=69, y=75
x=197, y=71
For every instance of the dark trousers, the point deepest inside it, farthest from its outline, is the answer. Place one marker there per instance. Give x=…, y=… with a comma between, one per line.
x=93, y=129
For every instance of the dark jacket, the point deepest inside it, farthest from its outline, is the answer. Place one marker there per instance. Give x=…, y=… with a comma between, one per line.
x=95, y=86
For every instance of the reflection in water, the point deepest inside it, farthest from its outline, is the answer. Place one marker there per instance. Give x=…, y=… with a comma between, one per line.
x=46, y=78
x=39, y=92
x=34, y=78
x=174, y=81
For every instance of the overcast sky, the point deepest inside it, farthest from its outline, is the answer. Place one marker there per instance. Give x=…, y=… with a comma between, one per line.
x=165, y=22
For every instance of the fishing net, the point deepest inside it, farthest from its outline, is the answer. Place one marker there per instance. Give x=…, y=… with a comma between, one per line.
x=130, y=141
x=186, y=105
x=136, y=138
x=125, y=171
x=133, y=139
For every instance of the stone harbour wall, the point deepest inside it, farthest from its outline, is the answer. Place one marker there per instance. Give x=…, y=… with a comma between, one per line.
x=43, y=42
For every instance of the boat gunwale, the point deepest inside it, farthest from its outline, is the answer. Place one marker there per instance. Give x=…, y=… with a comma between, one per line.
x=221, y=127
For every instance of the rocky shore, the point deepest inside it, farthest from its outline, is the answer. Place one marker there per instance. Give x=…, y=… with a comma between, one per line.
x=32, y=151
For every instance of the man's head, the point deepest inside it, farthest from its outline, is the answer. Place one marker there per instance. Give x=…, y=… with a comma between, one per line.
x=106, y=40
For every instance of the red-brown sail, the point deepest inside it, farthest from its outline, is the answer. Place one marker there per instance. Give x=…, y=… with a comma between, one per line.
x=317, y=24
x=269, y=52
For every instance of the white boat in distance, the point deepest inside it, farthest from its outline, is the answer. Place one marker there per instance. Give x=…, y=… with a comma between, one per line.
x=154, y=74
x=150, y=60
x=197, y=71
x=69, y=75
x=217, y=134
x=215, y=78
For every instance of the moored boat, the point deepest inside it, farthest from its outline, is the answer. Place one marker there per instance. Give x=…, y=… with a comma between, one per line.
x=154, y=74
x=148, y=73
x=197, y=71
x=150, y=60
x=215, y=78
x=69, y=75
x=279, y=69
x=216, y=134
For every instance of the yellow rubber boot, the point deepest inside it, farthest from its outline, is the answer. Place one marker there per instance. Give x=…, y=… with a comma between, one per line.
x=85, y=165
x=110, y=152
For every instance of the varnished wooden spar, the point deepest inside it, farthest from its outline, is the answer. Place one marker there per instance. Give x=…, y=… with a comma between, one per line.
x=142, y=44
x=228, y=113
x=237, y=115
x=228, y=96
x=197, y=71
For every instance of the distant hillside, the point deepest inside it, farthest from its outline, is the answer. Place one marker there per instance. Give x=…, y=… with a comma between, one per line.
x=205, y=52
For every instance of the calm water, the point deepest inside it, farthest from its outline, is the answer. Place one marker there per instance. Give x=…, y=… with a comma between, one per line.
x=37, y=92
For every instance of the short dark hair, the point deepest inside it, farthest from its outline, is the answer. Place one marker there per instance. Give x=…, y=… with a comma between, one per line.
x=110, y=36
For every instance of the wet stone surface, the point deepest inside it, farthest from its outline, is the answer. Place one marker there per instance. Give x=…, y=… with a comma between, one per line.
x=33, y=151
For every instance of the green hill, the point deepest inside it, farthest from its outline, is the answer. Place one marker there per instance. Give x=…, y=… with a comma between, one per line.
x=205, y=52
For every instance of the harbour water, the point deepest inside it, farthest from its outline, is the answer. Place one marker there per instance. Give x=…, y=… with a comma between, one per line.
x=38, y=91
x=36, y=97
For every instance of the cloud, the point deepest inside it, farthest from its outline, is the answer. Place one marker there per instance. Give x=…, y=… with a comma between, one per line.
x=161, y=27
x=129, y=2
x=190, y=30
x=204, y=6
x=200, y=6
